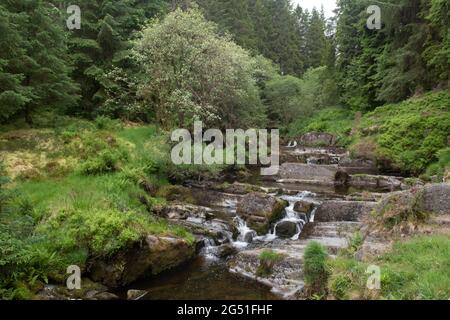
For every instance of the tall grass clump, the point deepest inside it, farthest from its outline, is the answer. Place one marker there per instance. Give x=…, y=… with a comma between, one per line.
x=316, y=269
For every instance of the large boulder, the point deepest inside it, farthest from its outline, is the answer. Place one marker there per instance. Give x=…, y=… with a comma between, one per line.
x=286, y=229
x=150, y=256
x=315, y=139
x=343, y=210
x=304, y=207
x=261, y=210
x=417, y=203
x=308, y=173
x=435, y=198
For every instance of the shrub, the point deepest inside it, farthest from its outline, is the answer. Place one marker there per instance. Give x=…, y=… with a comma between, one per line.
x=316, y=269
x=267, y=260
x=106, y=161
x=442, y=166
x=408, y=135
x=105, y=123
x=339, y=286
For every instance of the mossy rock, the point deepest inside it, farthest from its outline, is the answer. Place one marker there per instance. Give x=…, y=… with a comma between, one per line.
x=176, y=193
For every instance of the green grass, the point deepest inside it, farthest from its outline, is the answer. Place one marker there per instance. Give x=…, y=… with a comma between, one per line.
x=315, y=269
x=95, y=208
x=270, y=255
x=414, y=270
x=409, y=136
x=267, y=259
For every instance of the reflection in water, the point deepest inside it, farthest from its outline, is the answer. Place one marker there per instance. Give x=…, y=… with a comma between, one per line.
x=202, y=279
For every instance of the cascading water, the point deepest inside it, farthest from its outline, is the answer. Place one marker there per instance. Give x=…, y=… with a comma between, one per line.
x=246, y=235
x=292, y=216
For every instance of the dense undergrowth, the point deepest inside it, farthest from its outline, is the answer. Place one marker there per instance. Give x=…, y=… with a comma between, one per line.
x=410, y=137
x=78, y=190
x=413, y=270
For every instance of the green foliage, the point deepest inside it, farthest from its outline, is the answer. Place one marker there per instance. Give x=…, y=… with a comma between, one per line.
x=412, y=270
x=267, y=260
x=407, y=56
x=339, y=286
x=34, y=63
x=47, y=224
x=282, y=96
x=100, y=52
x=409, y=134
x=105, y=123
x=105, y=162
x=315, y=268
x=291, y=37
x=337, y=121
x=416, y=269
x=193, y=73
x=442, y=166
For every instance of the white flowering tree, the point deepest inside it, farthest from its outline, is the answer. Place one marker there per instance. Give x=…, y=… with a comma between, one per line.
x=192, y=72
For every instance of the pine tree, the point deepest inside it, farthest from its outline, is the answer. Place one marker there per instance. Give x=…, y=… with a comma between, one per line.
x=37, y=67
x=101, y=46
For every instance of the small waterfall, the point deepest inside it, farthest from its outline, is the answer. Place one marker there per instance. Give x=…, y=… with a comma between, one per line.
x=292, y=215
x=313, y=213
x=209, y=249
x=246, y=235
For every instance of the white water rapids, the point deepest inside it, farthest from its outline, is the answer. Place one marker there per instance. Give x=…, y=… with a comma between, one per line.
x=291, y=216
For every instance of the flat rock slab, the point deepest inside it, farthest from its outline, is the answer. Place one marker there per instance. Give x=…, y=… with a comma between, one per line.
x=343, y=210
x=386, y=183
x=323, y=174
x=436, y=198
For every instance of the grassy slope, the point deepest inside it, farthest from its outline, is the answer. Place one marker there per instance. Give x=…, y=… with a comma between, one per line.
x=409, y=136
x=416, y=269
x=77, y=193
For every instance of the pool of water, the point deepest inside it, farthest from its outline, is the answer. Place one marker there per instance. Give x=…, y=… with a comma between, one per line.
x=202, y=279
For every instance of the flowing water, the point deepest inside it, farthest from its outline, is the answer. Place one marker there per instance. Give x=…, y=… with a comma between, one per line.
x=202, y=279
x=208, y=277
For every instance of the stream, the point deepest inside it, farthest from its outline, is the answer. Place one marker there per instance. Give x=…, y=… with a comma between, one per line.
x=211, y=276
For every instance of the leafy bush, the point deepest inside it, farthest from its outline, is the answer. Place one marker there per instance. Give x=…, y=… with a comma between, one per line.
x=442, y=166
x=105, y=123
x=339, y=286
x=221, y=90
x=316, y=269
x=409, y=135
x=106, y=161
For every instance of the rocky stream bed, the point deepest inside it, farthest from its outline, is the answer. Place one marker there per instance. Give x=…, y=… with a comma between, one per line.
x=319, y=194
